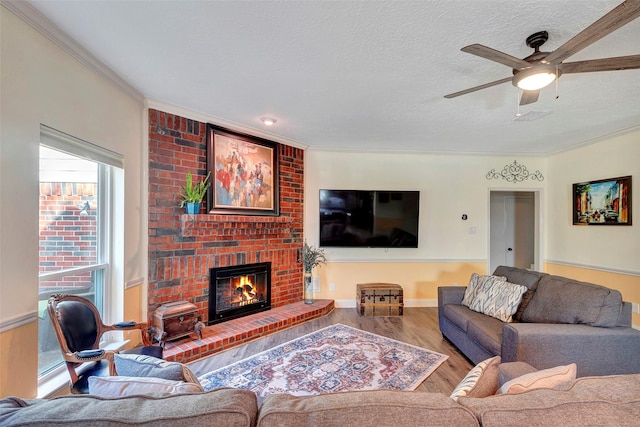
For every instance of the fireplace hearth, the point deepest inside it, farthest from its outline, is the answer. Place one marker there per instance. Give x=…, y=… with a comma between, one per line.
x=237, y=291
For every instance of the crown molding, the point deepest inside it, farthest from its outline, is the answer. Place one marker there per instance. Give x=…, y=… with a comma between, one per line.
x=32, y=16
x=228, y=124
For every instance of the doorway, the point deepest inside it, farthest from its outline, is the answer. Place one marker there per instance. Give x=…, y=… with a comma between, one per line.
x=514, y=229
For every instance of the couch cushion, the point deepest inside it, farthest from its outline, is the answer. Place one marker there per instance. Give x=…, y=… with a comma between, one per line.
x=129, y=386
x=223, y=407
x=481, y=381
x=520, y=276
x=561, y=300
x=589, y=401
x=487, y=333
x=364, y=408
x=557, y=377
x=462, y=316
x=498, y=299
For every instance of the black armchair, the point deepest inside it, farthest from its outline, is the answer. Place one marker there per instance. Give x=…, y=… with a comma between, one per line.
x=78, y=327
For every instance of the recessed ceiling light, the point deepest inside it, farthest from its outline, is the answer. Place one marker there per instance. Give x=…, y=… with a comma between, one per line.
x=269, y=121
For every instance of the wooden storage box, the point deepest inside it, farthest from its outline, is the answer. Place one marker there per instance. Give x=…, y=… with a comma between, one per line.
x=175, y=320
x=379, y=299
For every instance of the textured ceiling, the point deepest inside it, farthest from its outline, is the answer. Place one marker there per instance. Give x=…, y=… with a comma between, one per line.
x=363, y=75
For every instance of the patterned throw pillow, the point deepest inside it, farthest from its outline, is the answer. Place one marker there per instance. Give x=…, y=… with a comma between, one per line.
x=481, y=381
x=138, y=365
x=498, y=299
x=476, y=282
x=557, y=377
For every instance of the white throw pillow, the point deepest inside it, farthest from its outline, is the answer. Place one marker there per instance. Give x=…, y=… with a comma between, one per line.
x=557, y=377
x=498, y=299
x=129, y=386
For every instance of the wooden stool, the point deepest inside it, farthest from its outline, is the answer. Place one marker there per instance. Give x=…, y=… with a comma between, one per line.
x=379, y=299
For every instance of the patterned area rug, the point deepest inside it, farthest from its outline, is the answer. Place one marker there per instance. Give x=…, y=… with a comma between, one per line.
x=334, y=359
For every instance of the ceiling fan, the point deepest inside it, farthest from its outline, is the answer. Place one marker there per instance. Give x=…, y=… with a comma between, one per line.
x=541, y=68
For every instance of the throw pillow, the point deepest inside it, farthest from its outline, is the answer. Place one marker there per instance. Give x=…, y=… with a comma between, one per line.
x=498, y=299
x=557, y=377
x=129, y=386
x=476, y=282
x=139, y=365
x=481, y=381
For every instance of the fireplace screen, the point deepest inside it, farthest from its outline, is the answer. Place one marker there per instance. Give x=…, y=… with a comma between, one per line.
x=239, y=290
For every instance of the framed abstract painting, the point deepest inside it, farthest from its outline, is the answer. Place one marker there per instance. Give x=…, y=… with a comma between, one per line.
x=244, y=172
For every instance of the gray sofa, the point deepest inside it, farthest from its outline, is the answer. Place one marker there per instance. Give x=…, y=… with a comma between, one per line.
x=559, y=321
x=589, y=401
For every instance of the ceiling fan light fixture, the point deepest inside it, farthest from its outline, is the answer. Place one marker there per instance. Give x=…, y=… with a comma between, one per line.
x=535, y=78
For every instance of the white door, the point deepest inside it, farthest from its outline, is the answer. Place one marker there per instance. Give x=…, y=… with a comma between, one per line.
x=512, y=229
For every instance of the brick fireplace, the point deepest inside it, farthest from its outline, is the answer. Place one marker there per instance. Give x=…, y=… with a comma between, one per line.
x=183, y=248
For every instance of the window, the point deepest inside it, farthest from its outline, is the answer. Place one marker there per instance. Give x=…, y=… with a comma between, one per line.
x=75, y=229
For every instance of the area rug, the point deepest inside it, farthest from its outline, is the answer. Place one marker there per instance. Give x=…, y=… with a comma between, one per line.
x=337, y=358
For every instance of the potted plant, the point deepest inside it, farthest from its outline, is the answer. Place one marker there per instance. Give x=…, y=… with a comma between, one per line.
x=193, y=193
x=311, y=257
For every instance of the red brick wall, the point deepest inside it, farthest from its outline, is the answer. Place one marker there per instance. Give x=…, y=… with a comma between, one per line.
x=67, y=233
x=183, y=249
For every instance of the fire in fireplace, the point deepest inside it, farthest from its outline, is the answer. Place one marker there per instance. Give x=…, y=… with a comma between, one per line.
x=239, y=290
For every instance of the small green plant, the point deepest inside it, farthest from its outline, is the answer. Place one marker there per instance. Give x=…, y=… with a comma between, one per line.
x=194, y=192
x=312, y=257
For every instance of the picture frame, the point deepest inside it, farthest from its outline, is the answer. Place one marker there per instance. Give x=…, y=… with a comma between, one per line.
x=602, y=202
x=244, y=173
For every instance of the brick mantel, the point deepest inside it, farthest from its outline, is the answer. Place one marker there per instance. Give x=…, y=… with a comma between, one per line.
x=182, y=248
x=211, y=226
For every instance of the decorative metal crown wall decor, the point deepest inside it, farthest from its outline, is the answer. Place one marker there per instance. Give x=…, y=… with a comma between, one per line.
x=514, y=172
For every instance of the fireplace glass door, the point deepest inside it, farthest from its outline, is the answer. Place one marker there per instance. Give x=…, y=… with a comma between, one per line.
x=238, y=291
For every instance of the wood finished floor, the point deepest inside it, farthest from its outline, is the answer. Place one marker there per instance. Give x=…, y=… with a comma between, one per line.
x=418, y=326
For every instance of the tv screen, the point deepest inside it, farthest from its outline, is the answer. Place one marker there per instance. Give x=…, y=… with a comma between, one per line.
x=367, y=218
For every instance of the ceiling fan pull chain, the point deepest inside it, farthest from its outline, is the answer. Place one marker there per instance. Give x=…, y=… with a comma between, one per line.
x=557, y=76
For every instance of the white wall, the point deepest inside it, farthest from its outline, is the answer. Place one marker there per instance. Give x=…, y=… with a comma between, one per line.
x=41, y=84
x=449, y=187
x=610, y=247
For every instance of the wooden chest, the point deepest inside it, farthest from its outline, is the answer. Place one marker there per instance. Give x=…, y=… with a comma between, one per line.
x=175, y=320
x=379, y=299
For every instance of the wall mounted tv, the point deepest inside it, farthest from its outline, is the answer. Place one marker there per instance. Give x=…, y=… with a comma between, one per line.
x=367, y=218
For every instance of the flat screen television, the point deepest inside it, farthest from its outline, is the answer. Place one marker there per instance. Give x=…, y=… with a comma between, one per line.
x=369, y=218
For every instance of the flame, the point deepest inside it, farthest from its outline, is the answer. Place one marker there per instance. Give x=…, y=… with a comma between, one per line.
x=244, y=291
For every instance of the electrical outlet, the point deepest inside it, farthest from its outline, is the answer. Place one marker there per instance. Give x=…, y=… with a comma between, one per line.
x=635, y=308
x=332, y=287
x=316, y=283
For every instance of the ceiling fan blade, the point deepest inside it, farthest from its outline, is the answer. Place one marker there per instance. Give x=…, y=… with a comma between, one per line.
x=630, y=62
x=529, y=96
x=473, y=89
x=619, y=16
x=496, y=55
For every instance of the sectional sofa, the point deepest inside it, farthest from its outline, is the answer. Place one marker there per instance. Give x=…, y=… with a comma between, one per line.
x=601, y=401
x=558, y=321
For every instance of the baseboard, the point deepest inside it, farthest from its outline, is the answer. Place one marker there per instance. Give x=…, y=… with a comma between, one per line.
x=428, y=302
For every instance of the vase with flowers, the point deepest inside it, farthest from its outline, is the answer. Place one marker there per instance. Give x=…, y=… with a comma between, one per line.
x=311, y=258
